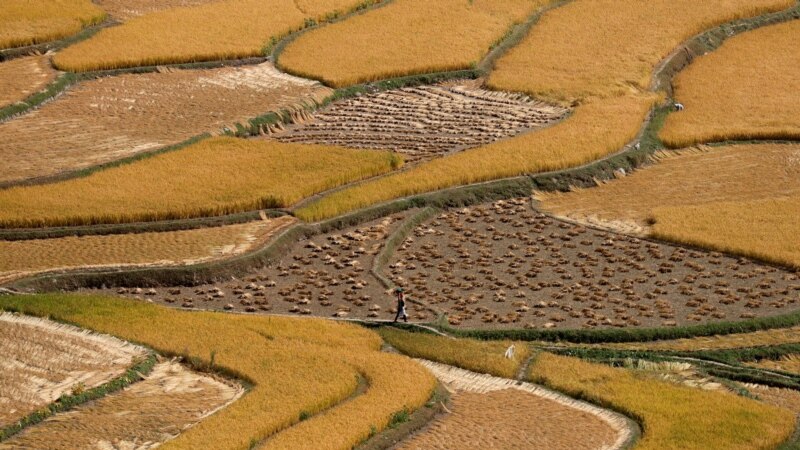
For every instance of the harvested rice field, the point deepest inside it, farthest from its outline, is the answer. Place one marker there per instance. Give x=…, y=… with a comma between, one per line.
x=22, y=77
x=20, y=259
x=763, y=338
x=26, y=22
x=740, y=198
x=124, y=10
x=406, y=37
x=424, y=122
x=728, y=97
x=42, y=360
x=148, y=413
x=490, y=412
x=111, y=118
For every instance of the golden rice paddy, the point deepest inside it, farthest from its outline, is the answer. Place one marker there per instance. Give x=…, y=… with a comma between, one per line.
x=28, y=22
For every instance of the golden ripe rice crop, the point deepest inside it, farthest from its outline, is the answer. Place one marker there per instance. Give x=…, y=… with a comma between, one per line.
x=744, y=90
x=406, y=37
x=227, y=29
x=22, y=77
x=610, y=47
x=594, y=130
x=28, y=22
x=673, y=416
x=22, y=258
x=298, y=368
x=216, y=176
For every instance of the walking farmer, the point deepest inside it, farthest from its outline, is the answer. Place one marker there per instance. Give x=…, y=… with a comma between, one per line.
x=401, y=305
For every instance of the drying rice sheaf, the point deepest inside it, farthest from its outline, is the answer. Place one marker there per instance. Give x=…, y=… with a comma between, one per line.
x=27, y=22
x=580, y=50
x=21, y=77
x=226, y=29
x=106, y=119
x=673, y=416
x=406, y=37
x=25, y=258
x=43, y=360
x=491, y=412
x=425, y=122
x=298, y=368
x=744, y=90
x=124, y=10
x=214, y=177
x=742, y=199
x=168, y=401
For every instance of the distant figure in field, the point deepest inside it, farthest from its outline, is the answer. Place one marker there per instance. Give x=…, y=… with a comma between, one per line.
x=510, y=352
x=401, y=305
x=679, y=107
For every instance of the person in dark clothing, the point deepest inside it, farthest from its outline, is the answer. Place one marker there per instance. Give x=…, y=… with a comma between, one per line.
x=401, y=305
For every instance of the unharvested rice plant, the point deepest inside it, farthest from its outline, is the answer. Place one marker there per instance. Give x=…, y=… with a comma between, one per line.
x=124, y=10
x=214, y=177
x=742, y=198
x=111, y=118
x=24, y=258
x=740, y=91
x=155, y=410
x=582, y=50
x=222, y=30
x=21, y=77
x=403, y=38
x=28, y=22
x=302, y=371
x=425, y=122
x=43, y=360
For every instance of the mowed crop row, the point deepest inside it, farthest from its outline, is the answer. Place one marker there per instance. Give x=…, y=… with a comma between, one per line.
x=763, y=338
x=226, y=29
x=745, y=90
x=576, y=53
x=216, y=176
x=406, y=37
x=124, y=10
x=24, y=258
x=107, y=119
x=26, y=22
x=21, y=77
x=298, y=368
x=743, y=199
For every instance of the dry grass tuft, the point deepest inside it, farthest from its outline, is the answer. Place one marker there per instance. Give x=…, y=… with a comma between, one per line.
x=406, y=37
x=28, y=22
x=214, y=177
x=744, y=90
x=21, y=77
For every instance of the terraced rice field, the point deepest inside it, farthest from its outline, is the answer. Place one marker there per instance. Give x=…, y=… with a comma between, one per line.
x=25, y=22
x=763, y=338
x=43, y=360
x=214, y=177
x=425, y=122
x=21, y=77
x=741, y=91
x=124, y=10
x=579, y=50
x=25, y=258
x=107, y=119
x=403, y=38
x=490, y=412
x=741, y=199
x=788, y=363
x=148, y=413
x=225, y=29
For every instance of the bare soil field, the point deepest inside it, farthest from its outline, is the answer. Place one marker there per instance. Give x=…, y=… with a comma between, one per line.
x=43, y=360
x=107, y=119
x=124, y=10
x=21, y=77
x=490, y=412
x=25, y=258
x=425, y=122
x=143, y=416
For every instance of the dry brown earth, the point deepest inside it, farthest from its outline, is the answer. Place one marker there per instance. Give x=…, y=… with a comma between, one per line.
x=425, y=122
x=107, y=119
x=21, y=77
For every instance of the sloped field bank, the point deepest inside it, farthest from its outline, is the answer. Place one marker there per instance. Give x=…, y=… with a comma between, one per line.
x=148, y=413
x=297, y=368
x=108, y=119
x=43, y=360
x=24, y=258
x=22, y=77
x=25, y=22
x=740, y=198
x=425, y=122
